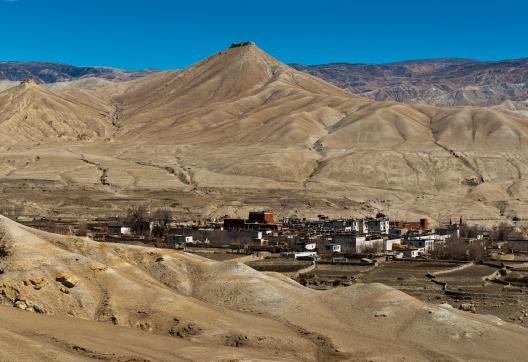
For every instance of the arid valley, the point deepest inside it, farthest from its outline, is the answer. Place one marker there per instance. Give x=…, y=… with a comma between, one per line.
x=194, y=195
x=241, y=130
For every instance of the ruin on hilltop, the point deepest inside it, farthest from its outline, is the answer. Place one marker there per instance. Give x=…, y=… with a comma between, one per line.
x=243, y=44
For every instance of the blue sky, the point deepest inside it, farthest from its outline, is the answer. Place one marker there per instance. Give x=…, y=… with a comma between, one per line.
x=173, y=34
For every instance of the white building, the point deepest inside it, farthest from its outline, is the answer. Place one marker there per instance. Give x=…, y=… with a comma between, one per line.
x=119, y=230
x=427, y=244
x=334, y=248
x=411, y=253
x=310, y=246
x=337, y=225
x=301, y=254
x=352, y=243
x=380, y=226
x=362, y=227
x=387, y=244
x=305, y=246
x=219, y=236
x=180, y=239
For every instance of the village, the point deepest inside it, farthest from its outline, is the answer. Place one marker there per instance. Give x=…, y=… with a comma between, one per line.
x=306, y=239
x=321, y=238
x=477, y=269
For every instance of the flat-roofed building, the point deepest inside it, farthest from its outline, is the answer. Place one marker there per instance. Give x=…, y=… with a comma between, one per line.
x=518, y=242
x=262, y=217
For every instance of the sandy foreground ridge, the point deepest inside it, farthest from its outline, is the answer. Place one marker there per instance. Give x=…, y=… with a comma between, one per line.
x=129, y=303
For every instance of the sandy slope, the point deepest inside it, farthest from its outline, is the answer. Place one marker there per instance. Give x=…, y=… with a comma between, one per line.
x=197, y=301
x=236, y=129
x=30, y=113
x=28, y=337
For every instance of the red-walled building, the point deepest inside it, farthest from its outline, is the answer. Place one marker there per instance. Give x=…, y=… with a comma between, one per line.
x=411, y=225
x=261, y=217
x=258, y=220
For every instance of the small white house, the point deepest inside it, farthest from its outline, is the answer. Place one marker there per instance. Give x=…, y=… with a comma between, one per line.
x=119, y=230
x=337, y=225
x=427, y=244
x=301, y=255
x=387, y=244
x=411, y=253
x=352, y=243
x=310, y=246
x=380, y=226
x=219, y=236
x=334, y=248
x=180, y=239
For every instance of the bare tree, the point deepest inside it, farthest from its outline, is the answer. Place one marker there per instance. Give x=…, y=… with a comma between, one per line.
x=82, y=229
x=137, y=219
x=161, y=219
x=372, y=249
x=470, y=231
x=501, y=232
x=458, y=249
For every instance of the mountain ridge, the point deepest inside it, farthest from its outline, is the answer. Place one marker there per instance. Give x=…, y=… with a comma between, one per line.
x=51, y=72
x=436, y=81
x=442, y=82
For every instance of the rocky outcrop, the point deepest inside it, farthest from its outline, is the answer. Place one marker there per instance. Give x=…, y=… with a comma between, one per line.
x=67, y=279
x=28, y=81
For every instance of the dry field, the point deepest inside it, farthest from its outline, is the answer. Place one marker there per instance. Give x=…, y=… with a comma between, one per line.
x=468, y=285
x=279, y=265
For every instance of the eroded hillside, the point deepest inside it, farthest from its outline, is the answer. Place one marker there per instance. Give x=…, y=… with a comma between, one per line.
x=199, y=302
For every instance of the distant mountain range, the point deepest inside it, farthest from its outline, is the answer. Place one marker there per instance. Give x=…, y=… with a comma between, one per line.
x=441, y=82
x=46, y=72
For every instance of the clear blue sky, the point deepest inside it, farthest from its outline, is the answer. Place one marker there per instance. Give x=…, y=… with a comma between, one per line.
x=167, y=34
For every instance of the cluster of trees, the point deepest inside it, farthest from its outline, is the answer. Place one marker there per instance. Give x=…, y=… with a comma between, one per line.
x=372, y=249
x=138, y=218
x=494, y=234
x=458, y=249
x=501, y=232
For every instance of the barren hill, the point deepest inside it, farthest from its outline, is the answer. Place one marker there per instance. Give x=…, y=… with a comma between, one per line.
x=241, y=130
x=240, y=93
x=208, y=307
x=30, y=113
